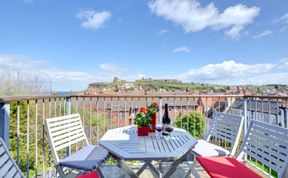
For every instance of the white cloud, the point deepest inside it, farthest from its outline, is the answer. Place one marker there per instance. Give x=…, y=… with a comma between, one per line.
x=92, y=19
x=284, y=29
x=20, y=62
x=63, y=79
x=283, y=63
x=162, y=32
x=283, y=18
x=230, y=72
x=267, y=78
x=111, y=67
x=181, y=49
x=193, y=17
x=264, y=33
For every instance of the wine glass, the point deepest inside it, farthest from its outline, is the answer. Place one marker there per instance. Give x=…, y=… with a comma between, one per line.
x=169, y=129
x=159, y=129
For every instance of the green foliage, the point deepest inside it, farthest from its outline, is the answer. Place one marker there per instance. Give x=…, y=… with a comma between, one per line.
x=170, y=86
x=143, y=119
x=97, y=120
x=156, y=85
x=23, y=135
x=153, y=108
x=262, y=167
x=193, y=122
x=93, y=119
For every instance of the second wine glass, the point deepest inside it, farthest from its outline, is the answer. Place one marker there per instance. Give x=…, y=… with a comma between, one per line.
x=169, y=129
x=159, y=129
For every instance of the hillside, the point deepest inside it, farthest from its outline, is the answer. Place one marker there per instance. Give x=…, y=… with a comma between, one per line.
x=153, y=86
x=170, y=85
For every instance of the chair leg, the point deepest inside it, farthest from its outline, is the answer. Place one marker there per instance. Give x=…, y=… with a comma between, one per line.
x=160, y=165
x=194, y=171
x=99, y=172
x=60, y=171
x=190, y=157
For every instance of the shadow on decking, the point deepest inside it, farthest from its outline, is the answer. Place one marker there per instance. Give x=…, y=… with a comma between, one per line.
x=112, y=171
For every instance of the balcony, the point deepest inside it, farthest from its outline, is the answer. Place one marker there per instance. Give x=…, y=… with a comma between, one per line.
x=22, y=121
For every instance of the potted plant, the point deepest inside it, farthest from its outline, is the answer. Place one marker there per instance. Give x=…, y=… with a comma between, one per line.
x=142, y=121
x=152, y=110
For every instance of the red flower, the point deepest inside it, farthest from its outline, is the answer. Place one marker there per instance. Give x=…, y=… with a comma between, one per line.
x=144, y=110
x=156, y=104
x=153, y=108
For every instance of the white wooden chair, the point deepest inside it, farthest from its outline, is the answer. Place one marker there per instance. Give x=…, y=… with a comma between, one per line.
x=8, y=167
x=66, y=131
x=225, y=128
x=265, y=146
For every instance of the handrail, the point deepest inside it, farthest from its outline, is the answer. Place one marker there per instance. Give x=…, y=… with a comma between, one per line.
x=25, y=98
x=156, y=96
x=266, y=96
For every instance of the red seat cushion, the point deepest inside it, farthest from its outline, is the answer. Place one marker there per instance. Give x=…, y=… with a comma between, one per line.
x=225, y=167
x=93, y=174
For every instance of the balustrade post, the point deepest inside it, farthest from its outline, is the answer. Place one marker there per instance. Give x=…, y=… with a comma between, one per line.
x=284, y=118
x=5, y=122
x=68, y=105
x=245, y=115
x=245, y=120
x=68, y=112
x=160, y=110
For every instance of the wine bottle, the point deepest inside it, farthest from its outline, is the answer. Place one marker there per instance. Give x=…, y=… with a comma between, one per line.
x=165, y=120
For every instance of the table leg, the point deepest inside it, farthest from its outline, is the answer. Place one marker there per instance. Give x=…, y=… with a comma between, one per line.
x=160, y=165
x=154, y=170
x=143, y=167
x=172, y=168
x=126, y=168
x=157, y=172
x=190, y=157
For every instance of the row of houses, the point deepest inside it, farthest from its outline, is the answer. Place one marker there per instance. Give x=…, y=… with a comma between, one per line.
x=273, y=112
x=122, y=111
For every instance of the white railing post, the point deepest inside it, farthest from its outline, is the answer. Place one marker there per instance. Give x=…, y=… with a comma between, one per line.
x=245, y=115
x=245, y=120
x=286, y=117
x=68, y=112
x=160, y=110
x=5, y=122
x=68, y=106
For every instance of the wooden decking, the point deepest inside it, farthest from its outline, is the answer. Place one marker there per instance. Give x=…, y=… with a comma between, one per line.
x=112, y=171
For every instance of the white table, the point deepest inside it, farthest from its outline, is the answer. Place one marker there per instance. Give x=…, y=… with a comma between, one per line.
x=124, y=144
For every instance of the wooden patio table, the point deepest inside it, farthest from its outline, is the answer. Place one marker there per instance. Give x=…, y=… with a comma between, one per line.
x=124, y=144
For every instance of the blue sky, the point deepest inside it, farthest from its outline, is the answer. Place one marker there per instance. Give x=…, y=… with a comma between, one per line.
x=77, y=42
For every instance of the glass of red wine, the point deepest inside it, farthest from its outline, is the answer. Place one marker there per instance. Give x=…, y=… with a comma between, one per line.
x=169, y=129
x=159, y=129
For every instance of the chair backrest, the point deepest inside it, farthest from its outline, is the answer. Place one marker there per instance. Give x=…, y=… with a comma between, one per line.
x=227, y=127
x=8, y=167
x=63, y=132
x=267, y=144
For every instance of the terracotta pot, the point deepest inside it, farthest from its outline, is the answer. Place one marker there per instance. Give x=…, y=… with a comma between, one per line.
x=153, y=123
x=143, y=131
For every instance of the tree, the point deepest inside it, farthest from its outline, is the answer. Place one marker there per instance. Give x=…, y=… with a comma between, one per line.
x=193, y=122
x=22, y=135
x=21, y=83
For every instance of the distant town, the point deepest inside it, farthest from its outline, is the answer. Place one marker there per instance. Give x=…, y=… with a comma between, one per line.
x=151, y=86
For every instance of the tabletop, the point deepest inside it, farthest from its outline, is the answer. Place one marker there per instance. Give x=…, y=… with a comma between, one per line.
x=125, y=144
